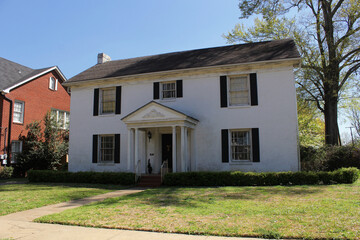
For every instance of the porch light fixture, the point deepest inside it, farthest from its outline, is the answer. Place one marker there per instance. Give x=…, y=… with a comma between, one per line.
x=149, y=135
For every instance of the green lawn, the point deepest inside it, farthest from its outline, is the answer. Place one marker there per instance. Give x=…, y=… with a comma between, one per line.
x=319, y=212
x=19, y=197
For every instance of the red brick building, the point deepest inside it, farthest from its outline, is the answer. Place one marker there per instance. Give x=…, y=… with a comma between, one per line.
x=27, y=95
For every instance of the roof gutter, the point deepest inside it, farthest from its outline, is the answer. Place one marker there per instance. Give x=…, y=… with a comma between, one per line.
x=10, y=123
x=70, y=83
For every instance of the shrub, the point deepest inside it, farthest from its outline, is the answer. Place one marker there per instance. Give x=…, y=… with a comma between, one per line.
x=343, y=175
x=81, y=177
x=329, y=158
x=6, y=172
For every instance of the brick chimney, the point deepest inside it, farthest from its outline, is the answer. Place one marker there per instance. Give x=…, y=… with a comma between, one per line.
x=102, y=58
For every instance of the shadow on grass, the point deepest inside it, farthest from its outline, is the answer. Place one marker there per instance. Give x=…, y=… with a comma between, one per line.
x=194, y=197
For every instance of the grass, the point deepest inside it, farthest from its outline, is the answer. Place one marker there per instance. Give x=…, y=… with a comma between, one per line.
x=310, y=212
x=20, y=197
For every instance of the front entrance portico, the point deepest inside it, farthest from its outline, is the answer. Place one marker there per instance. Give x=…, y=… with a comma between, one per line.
x=157, y=133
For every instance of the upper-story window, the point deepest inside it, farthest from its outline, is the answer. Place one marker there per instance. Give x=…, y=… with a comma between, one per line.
x=168, y=90
x=239, y=89
x=62, y=118
x=18, y=112
x=107, y=100
x=53, y=83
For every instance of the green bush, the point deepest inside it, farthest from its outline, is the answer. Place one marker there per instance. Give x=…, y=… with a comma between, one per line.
x=329, y=158
x=343, y=175
x=6, y=172
x=81, y=177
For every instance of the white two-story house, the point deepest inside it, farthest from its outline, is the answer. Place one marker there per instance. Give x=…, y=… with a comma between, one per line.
x=216, y=109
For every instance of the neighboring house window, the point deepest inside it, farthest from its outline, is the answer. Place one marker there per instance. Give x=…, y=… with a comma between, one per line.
x=53, y=83
x=18, y=112
x=168, y=90
x=61, y=117
x=239, y=90
x=240, y=145
x=16, y=148
x=108, y=100
x=106, y=148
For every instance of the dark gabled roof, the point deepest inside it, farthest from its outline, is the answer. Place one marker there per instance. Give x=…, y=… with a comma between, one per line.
x=12, y=73
x=208, y=57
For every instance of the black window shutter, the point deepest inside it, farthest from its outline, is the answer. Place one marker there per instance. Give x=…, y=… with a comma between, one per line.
x=255, y=144
x=253, y=89
x=95, y=149
x=156, y=90
x=117, y=148
x=179, y=88
x=223, y=92
x=96, y=102
x=225, y=145
x=118, y=100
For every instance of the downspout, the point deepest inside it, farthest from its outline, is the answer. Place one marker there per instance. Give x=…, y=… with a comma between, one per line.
x=10, y=122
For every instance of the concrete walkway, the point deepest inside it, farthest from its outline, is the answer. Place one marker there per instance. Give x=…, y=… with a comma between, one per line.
x=20, y=226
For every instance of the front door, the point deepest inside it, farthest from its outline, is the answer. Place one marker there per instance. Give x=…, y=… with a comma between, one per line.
x=166, y=143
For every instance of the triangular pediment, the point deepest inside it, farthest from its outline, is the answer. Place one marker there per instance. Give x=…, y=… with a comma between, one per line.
x=155, y=112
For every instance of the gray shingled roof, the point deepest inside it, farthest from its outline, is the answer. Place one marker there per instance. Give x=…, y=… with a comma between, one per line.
x=208, y=57
x=12, y=73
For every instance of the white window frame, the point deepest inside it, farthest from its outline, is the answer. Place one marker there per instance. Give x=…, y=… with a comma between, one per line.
x=231, y=145
x=101, y=101
x=14, y=154
x=53, y=83
x=162, y=90
x=21, y=113
x=65, y=124
x=100, y=156
x=229, y=89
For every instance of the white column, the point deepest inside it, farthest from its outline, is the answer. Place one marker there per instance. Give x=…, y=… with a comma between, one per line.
x=136, y=148
x=182, y=149
x=130, y=148
x=186, y=149
x=193, y=151
x=174, y=148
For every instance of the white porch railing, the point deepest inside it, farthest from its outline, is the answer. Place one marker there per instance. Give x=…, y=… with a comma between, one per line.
x=164, y=169
x=137, y=171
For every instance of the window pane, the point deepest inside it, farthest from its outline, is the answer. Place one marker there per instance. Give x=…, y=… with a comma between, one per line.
x=108, y=100
x=240, y=145
x=17, y=117
x=239, y=91
x=168, y=90
x=107, y=148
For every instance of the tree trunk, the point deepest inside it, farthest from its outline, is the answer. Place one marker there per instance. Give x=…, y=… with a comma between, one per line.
x=331, y=124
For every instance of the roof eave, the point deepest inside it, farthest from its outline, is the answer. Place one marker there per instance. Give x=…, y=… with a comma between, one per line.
x=8, y=89
x=80, y=82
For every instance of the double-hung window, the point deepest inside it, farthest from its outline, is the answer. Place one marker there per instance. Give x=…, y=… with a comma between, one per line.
x=18, y=112
x=61, y=117
x=106, y=148
x=168, y=90
x=240, y=145
x=16, y=148
x=239, y=90
x=108, y=100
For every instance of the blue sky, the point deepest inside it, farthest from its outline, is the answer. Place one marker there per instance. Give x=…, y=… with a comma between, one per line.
x=70, y=34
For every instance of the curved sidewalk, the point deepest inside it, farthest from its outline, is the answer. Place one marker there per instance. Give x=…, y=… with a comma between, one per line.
x=20, y=226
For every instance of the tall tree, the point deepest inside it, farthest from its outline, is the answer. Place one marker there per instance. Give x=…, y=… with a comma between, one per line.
x=328, y=37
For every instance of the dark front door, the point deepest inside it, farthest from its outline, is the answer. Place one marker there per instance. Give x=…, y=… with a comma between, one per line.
x=166, y=142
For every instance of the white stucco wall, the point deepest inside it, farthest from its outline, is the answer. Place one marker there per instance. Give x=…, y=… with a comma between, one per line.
x=275, y=116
